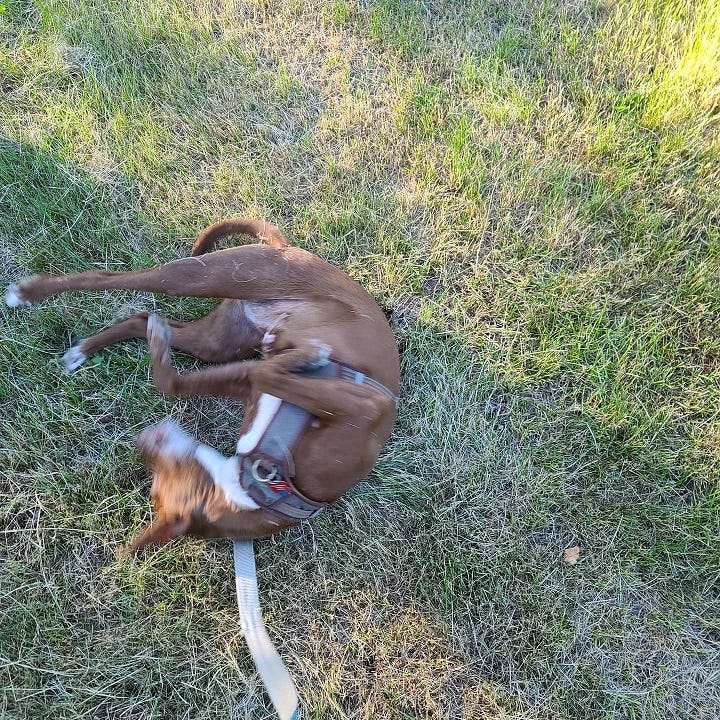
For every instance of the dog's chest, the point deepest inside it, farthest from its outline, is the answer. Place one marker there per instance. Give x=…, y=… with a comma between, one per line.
x=267, y=409
x=225, y=472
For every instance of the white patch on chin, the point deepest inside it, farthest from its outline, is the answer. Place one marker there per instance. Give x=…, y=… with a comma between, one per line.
x=225, y=473
x=268, y=405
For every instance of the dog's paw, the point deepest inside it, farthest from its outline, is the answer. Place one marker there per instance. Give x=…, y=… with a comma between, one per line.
x=318, y=355
x=73, y=358
x=158, y=328
x=158, y=335
x=15, y=298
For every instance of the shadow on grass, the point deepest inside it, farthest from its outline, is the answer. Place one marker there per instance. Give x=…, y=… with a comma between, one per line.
x=58, y=218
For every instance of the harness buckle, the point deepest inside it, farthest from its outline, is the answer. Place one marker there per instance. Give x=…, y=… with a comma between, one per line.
x=273, y=471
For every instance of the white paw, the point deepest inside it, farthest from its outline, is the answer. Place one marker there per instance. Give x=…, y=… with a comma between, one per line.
x=13, y=298
x=323, y=355
x=73, y=358
x=167, y=439
x=320, y=358
x=157, y=327
x=158, y=337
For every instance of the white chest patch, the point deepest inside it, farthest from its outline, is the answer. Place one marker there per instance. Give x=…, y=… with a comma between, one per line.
x=268, y=405
x=225, y=473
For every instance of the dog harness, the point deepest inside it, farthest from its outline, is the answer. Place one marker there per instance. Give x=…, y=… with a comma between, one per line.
x=267, y=471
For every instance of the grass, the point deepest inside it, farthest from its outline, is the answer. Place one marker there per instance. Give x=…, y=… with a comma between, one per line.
x=531, y=190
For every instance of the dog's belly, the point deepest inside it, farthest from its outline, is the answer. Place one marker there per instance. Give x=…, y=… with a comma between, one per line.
x=270, y=315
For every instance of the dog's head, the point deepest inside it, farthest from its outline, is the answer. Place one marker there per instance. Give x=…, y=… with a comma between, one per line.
x=181, y=487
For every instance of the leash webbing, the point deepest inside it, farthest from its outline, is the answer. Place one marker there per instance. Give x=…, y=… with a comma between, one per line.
x=272, y=670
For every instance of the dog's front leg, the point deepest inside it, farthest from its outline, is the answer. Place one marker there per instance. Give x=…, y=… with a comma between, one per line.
x=327, y=398
x=230, y=380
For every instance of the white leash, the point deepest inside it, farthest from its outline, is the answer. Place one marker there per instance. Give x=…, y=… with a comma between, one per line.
x=274, y=674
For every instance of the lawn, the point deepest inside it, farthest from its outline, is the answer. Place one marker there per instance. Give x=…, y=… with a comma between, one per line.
x=531, y=190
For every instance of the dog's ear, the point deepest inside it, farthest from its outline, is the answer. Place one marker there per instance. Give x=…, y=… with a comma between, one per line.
x=159, y=532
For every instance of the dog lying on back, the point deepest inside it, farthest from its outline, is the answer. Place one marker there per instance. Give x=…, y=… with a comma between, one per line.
x=319, y=405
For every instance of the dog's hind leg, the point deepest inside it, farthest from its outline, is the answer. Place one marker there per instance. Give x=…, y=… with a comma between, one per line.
x=228, y=380
x=222, y=336
x=251, y=272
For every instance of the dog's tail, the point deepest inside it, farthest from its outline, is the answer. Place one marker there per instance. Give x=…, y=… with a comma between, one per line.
x=259, y=229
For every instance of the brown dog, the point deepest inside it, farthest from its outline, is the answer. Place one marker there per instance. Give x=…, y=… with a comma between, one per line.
x=319, y=406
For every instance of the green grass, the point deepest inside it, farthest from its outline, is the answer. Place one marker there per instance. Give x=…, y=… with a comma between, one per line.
x=532, y=191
